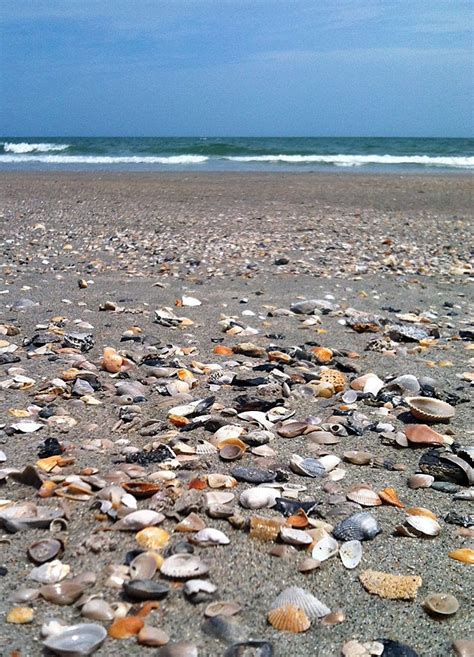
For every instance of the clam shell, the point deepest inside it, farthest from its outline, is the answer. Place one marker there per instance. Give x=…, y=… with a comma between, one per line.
x=144, y=566
x=97, y=609
x=210, y=536
x=219, y=480
x=192, y=523
x=152, y=538
x=146, y=589
x=358, y=457
x=307, y=467
x=465, y=555
x=222, y=608
x=45, y=550
x=77, y=640
x=289, y=619
x=63, y=593
x=141, y=489
x=258, y=497
x=430, y=409
x=406, y=383
x=227, y=431
x=441, y=604
x=179, y=649
x=364, y=496
x=219, y=497
x=350, y=553
x=420, y=481
x=139, y=520
x=302, y=599
x=423, y=526
x=183, y=566
x=231, y=452
x=152, y=636
x=359, y=527
x=329, y=462
x=50, y=573
x=295, y=536
x=421, y=434
x=325, y=547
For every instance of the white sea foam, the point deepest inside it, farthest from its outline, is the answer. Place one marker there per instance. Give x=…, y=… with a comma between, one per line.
x=25, y=147
x=359, y=160
x=105, y=159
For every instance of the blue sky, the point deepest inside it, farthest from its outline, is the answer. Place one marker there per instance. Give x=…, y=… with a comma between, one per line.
x=236, y=67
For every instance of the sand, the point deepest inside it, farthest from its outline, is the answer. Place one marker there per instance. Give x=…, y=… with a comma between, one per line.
x=384, y=244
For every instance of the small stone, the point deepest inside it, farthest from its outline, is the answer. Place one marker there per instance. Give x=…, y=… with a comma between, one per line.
x=152, y=636
x=20, y=615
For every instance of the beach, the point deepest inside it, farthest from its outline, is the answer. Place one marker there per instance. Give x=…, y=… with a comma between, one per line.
x=108, y=249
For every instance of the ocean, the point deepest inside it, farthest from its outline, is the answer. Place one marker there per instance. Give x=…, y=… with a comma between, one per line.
x=236, y=154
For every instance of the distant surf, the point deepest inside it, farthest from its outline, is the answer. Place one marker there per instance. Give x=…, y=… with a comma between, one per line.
x=237, y=154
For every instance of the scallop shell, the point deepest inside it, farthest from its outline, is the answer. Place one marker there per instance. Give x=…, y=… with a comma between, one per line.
x=360, y=527
x=364, y=496
x=258, y=497
x=183, y=566
x=430, y=409
x=265, y=529
x=139, y=520
x=289, y=619
x=302, y=599
x=77, y=640
x=204, y=448
x=420, y=481
x=390, y=496
x=210, y=536
x=351, y=554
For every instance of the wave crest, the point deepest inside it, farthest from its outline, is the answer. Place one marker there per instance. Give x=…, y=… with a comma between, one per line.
x=25, y=147
x=105, y=159
x=359, y=160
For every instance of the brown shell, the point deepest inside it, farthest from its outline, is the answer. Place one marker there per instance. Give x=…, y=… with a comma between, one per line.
x=265, y=529
x=289, y=619
x=141, y=489
x=335, y=378
x=430, y=409
x=465, y=555
x=390, y=496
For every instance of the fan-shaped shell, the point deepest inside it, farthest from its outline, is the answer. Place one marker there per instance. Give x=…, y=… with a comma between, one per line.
x=364, y=496
x=430, y=409
x=303, y=599
x=77, y=640
x=183, y=566
x=358, y=527
x=289, y=619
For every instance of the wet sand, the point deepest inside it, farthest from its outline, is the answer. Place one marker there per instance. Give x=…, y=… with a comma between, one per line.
x=384, y=244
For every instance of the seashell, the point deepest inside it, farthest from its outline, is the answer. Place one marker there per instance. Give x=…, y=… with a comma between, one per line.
x=144, y=566
x=97, y=609
x=364, y=496
x=63, y=593
x=289, y=507
x=463, y=647
x=124, y=628
x=224, y=629
x=302, y=599
x=210, y=536
x=45, y=550
x=390, y=496
x=441, y=604
x=111, y=360
x=219, y=480
x=141, y=489
x=139, y=520
x=307, y=467
x=265, y=529
x=24, y=594
x=227, y=431
x=204, y=448
x=219, y=497
x=145, y=589
x=77, y=640
x=152, y=538
x=429, y=409
x=465, y=555
x=308, y=565
x=335, y=378
x=358, y=457
x=324, y=547
x=258, y=498
x=368, y=383
x=299, y=521
x=421, y=434
x=152, y=636
x=406, y=383
x=20, y=615
x=256, y=648
x=199, y=590
x=329, y=462
x=222, y=608
x=295, y=536
x=292, y=429
x=351, y=554
x=253, y=475
x=231, y=452
x=184, y=566
x=334, y=618
x=53, y=626
x=192, y=523
x=50, y=573
x=420, y=481
x=359, y=527
x=28, y=515
x=393, y=587
x=179, y=649
x=289, y=619
x=350, y=397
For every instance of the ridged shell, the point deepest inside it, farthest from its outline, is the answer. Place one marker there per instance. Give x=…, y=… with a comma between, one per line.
x=351, y=554
x=364, y=496
x=358, y=527
x=77, y=640
x=183, y=566
x=289, y=619
x=430, y=409
x=303, y=599
x=265, y=529
x=206, y=448
x=390, y=496
x=307, y=467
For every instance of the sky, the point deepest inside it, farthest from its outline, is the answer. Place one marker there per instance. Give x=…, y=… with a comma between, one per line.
x=236, y=67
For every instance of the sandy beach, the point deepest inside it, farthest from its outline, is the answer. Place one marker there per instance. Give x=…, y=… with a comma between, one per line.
x=108, y=250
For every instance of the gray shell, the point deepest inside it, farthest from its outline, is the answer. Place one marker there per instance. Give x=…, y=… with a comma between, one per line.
x=358, y=527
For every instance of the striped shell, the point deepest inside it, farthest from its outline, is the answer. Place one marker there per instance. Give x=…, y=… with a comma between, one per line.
x=183, y=566
x=364, y=496
x=302, y=599
x=430, y=409
x=289, y=619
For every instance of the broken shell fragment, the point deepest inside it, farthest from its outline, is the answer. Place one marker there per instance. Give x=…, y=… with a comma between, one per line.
x=222, y=608
x=265, y=529
x=123, y=628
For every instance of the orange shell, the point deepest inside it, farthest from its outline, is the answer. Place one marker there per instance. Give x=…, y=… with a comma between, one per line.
x=278, y=356
x=299, y=520
x=322, y=354
x=178, y=420
x=220, y=350
x=123, y=628
x=336, y=378
x=47, y=488
x=152, y=538
x=197, y=484
x=289, y=619
x=466, y=555
x=390, y=496
x=141, y=488
x=147, y=607
x=111, y=361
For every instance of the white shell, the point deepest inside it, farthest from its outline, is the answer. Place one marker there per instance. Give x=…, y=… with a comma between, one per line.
x=193, y=586
x=373, y=385
x=424, y=525
x=295, y=536
x=303, y=599
x=50, y=573
x=139, y=520
x=27, y=426
x=329, y=462
x=183, y=566
x=77, y=640
x=326, y=547
x=219, y=497
x=258, y=497
x=258, y=418
x=205, y=447
x=210, y=536
x=227, y=431
x=351, y=554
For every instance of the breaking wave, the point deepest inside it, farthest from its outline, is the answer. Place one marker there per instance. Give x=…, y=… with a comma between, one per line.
x=25, y=147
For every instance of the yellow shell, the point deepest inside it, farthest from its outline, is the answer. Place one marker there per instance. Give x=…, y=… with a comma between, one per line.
x=466, y=555
x=152, y=538
x=266, y=529
x=289, y=619
x=336, y=378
